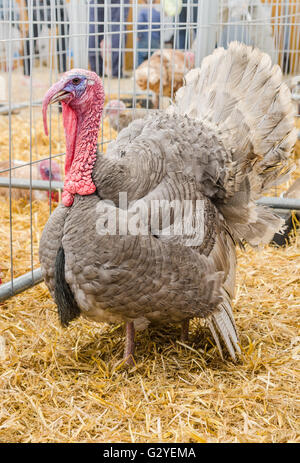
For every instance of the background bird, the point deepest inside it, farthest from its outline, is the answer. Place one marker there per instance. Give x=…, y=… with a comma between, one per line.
x=164, y=71
x=120, y=116
x=226, y=140
x=40, y=171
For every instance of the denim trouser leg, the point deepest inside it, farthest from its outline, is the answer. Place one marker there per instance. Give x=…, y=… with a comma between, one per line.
x=117, y=39
x=183, y=22
x=143, y=44
x=96, y=29
x=142, y=55
x=96, y=67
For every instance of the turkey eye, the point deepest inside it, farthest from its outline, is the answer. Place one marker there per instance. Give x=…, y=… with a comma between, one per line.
x=76, y=81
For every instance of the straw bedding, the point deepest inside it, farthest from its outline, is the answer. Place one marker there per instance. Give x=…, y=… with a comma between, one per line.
x=70, y=385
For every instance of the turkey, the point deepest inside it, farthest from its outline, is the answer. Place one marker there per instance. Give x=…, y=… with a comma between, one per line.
x=120, y=116
x=227, y=138
x=164, y=72
x=40, y=171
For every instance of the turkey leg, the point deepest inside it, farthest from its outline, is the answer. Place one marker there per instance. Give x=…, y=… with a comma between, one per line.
x=185, y=330
x=129, y=343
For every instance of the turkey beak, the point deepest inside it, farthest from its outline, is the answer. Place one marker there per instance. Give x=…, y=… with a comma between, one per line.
x=54, y=94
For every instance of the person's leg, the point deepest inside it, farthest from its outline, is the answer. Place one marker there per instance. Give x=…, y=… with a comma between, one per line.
x=96, y=27
x=182, y=25
x=93, y=64
x=118, y=38
x=142, y=48
x=155, y=45
x=26, y=58
x=61, y=42
x=27, y=47
x=195, y=20
x=141, y=57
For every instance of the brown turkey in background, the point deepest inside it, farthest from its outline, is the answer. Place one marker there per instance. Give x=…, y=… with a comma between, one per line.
x=170, y=66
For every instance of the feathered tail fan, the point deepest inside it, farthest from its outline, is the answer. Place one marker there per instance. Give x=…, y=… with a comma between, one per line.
x=222, y=322
x=240, y=95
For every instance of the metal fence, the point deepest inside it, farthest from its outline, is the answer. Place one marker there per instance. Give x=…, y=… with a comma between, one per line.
x=39, y=39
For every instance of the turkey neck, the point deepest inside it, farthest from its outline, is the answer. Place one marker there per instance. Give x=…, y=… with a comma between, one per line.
x=81, y=130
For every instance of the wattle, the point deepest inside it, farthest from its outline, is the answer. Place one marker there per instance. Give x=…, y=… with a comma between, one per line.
x=67, y=198
x=81, y=130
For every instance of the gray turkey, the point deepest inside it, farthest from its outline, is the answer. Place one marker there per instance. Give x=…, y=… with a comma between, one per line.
x=226, y=139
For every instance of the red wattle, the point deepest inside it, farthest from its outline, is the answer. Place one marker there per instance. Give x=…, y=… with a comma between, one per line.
x=70, y=126
x=81, y=119
x=81, y=127
x=67, y=198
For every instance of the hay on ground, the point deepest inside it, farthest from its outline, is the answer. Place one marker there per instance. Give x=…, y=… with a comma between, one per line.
x=70, y=385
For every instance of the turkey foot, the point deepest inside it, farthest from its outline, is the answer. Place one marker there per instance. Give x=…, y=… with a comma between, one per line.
x=129, y=344
x=184, y=337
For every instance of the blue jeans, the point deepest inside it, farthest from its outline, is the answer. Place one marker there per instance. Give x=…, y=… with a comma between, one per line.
x=96, y=30
x=183, y=23
x=143, y=43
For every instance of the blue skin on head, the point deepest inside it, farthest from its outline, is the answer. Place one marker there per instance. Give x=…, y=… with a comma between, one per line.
x=47, y=173
x=76, y=85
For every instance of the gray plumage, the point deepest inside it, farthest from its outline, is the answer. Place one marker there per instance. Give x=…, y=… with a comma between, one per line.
x=227, y=138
